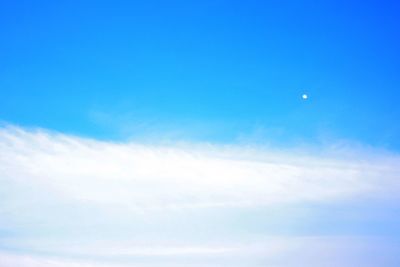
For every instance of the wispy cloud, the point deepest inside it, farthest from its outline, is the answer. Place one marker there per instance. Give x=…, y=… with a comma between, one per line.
x=186, y=175
x=59, y=192
x=283, y=252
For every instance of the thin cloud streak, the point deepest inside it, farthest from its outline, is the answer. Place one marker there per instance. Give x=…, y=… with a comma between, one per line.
x=284, y=252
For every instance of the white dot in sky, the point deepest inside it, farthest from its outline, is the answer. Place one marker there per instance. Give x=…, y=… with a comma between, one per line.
x=304, y=96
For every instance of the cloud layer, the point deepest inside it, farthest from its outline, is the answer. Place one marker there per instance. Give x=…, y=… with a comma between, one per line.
x=65, y=195
x=186, y=175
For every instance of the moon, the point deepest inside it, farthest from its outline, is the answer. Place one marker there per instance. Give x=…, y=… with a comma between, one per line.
x=304, y=96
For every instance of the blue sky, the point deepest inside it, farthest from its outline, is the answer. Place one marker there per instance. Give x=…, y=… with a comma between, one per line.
x=135, y=133
x=226, y=68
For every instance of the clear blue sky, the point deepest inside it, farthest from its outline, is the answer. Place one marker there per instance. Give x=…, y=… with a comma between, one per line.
x=223, y=68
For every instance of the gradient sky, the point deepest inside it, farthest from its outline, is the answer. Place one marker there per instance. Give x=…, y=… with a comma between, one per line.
x=174, y=133
x=227, y=68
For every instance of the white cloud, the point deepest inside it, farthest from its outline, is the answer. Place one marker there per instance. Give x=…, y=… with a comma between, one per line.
x=311, y=251
x=179, y=176
x=65, y=195
x=23, y=260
